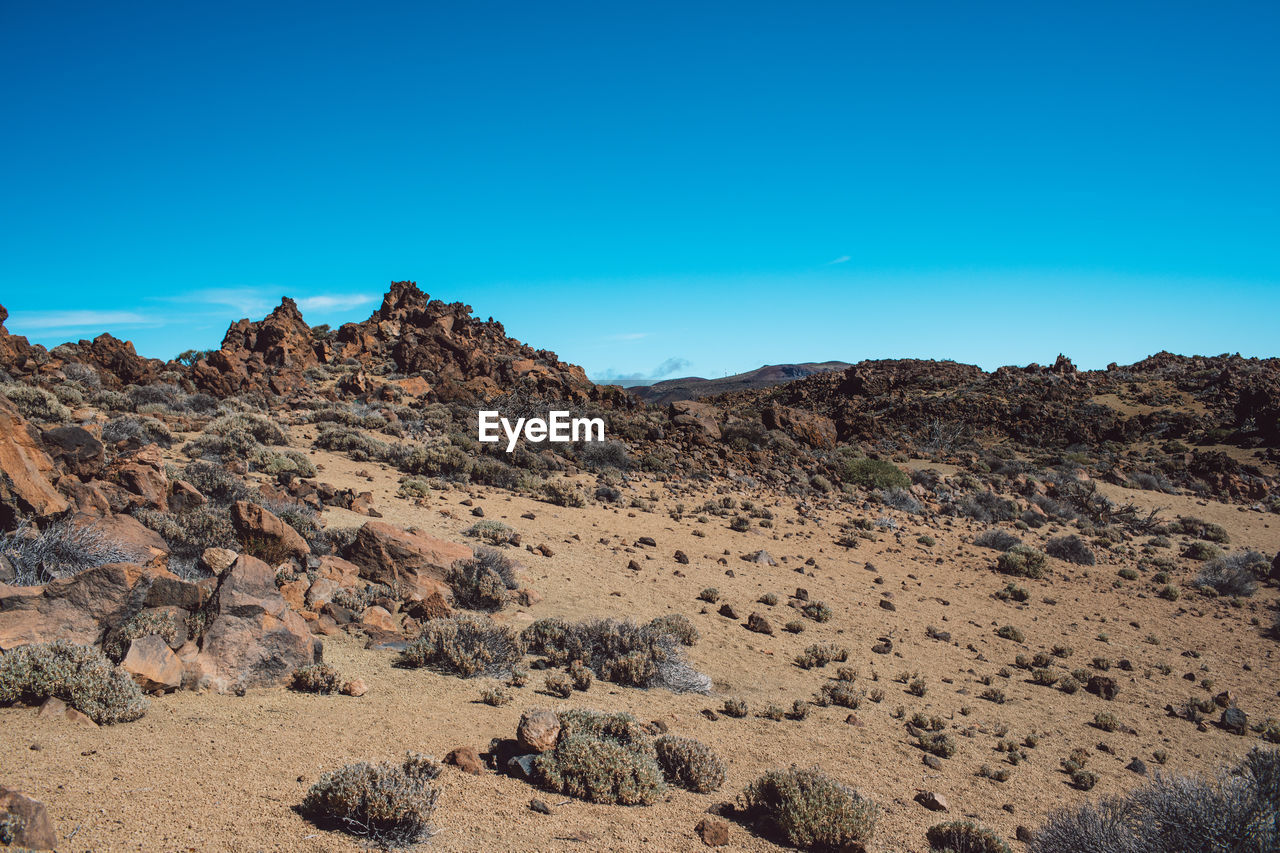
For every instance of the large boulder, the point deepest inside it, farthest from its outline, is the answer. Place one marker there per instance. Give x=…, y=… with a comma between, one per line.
x=701, y=420
x=25, y=469
x=80, y=608
x=76, y=449
x=816, y=431
x=26, y=822
x=414, y=563
x=153, y=664
x=264, y=533
x=252, y=638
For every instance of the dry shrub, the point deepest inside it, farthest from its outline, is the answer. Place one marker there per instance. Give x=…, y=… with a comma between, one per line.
x=810, y=810
x=689, y=763
x=466, y=646
x=390, y=804
x=601, y=758
x=619, y=651
x=81, y=676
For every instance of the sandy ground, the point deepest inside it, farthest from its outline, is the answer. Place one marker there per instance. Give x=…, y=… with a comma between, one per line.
x=210, y=772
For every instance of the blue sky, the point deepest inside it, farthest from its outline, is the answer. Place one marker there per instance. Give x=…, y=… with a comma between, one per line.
x=654, y=188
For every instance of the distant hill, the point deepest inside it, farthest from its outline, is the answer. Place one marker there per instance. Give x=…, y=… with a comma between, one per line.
x=693, y=387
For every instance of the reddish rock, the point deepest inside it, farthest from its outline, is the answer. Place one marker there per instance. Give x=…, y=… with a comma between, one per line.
x=698, y=419
x=295, y=593
x=215, y=561
x=538, y=730
x=264, y=533
x=379, y=618
x=713, y=830
x=146, y=479
x=466, y=759
x=26, y=820
x=344, y=573
x=25, y=471
x=433, y=606
x=141, y=544
x=75, y=449
x=79, y=608
x=355, y=687
x=252, y=638
x=416, y=562
x=183, y=497
x=153, y=665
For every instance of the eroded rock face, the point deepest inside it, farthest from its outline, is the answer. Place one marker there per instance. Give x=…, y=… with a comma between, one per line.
x=538, y=730
x=153, y=665
x=25, y=471
x=252, y=638
x=28, y=822
x=701, y=420
x=261, y=529
x=80, y=608
x=415, y=563
x=76, y=449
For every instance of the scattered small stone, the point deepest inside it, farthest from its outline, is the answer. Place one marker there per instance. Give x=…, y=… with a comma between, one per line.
x=710, y=714
x=1234, y=720
x=727, y=611
x=1138, y=766
x=713, y=830
x=1023, y=834
x=466, y=759
x=933, y=762
x=681, y=557
x=478, y=512
x=539, y=806
x=648, y=541
x=931, y=801
x=886, y=604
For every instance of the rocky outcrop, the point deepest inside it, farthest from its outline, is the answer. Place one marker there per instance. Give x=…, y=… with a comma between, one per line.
x=699, y=420
x=252, y=638
x=81, y=608
x=413, y=563
x=262, y=532
x=25, y=469
x=76, y=450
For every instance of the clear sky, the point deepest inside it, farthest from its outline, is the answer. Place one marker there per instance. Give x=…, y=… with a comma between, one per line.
x=653, y=188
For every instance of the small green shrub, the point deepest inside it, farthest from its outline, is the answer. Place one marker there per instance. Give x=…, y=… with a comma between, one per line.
x=1022, y=561
x=602, y=758
x=874, y=474
x=390, y=804
x=940, y=744
x=81, y=676
x=559, y=684
x=818, y=611
x=1008, y=632
x=483, y=581
x=735, y=708
x=710, y=595
x=466, y=646
x=689, y=763
x=563, y=493
x=810, y=810
x=316, y=678
x=962, y=836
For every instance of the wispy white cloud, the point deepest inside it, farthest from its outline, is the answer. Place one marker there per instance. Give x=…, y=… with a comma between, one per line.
x=45, y=321
x=336, y=302
x=255, y=302
x=843, y=259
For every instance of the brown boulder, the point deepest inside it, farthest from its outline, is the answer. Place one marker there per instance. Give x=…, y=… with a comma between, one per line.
x=215, y=561
x=380, y=619
x=25, y=470
x=713, y=830
x=415, y=563
x=153, y=665
x=137, y=543
x=252, y=639
x=79, y=608
x=538, y=730
x=466, y=759
x=26, y=821
x=700, y=419
x=183, y=496
x=263, y=533
x=75, y=449
x=816, y=431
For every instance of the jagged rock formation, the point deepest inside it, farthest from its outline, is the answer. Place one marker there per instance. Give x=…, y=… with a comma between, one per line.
x=411, y=345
